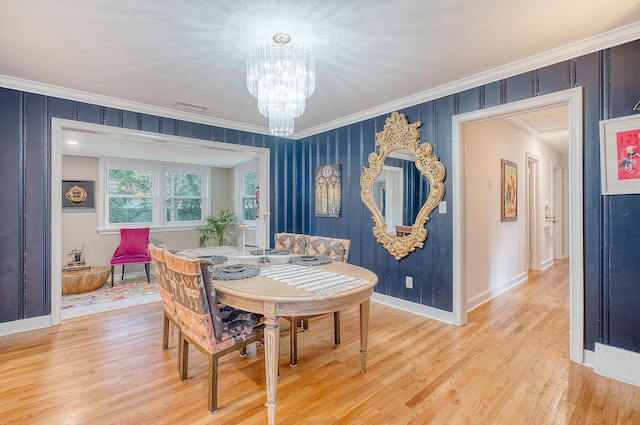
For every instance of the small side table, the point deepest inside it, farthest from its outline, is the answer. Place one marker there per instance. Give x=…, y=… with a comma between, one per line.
x=79, y=281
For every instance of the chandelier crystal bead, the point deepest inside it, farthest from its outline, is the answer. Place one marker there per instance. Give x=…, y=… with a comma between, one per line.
x=281, y=77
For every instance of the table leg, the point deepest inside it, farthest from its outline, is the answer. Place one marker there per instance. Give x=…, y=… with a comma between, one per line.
x=364, y=334
x=271, y=350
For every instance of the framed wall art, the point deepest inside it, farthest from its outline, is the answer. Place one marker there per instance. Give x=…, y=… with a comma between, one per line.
x=509, y=190
x=78, y=195
x=328, y=182
x=620, y=155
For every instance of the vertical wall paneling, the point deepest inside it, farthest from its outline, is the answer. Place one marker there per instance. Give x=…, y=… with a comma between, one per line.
x=87, y=112
x=36, y=204
x=623, y=244
x=588, y=75
x=492, y=94
x=553, y=78
x=112, y=117
x=519, y=87
x=186, y=129
x=168, y=126
x=11, y=230
x=131, y=120
x=202, y=131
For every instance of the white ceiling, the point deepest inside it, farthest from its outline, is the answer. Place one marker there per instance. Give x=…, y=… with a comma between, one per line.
x=373, y=56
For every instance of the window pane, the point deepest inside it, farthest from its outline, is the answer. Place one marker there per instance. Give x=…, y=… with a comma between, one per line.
x=249, y=184
x=183, y=184
x=130, y=210
x=130, y=182
x=184, y=209
x=249, y=208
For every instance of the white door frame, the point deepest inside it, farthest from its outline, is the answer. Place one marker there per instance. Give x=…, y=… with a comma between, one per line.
x=532, y=190
x=573, y=99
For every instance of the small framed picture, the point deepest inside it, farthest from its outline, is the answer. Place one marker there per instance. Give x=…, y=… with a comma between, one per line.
x=78, y=195
x=620, y=155
x=509, y=187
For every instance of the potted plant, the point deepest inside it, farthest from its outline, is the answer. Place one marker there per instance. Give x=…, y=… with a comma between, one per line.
x=218, y=228
x=77, y=253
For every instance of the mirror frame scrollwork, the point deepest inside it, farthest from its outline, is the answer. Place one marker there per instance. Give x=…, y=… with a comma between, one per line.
x=399, y=134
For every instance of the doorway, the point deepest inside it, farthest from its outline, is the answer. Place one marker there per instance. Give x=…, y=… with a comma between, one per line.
x=125, y=138
x=573, y=100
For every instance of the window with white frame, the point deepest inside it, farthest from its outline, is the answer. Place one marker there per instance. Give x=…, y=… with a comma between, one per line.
x=154, y=194
x=247, y=182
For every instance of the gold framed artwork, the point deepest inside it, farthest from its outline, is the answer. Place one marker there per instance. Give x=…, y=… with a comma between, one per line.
x=620, y=155
x=328, y=182
x=509, y=187
x=78, y=195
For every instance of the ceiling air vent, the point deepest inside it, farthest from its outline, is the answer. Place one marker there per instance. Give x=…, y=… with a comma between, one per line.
x=192, y=106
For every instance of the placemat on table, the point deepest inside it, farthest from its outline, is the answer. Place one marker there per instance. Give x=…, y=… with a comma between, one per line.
x=236, y=272
x=311, y=260
x=323, y=284
x=269, y=252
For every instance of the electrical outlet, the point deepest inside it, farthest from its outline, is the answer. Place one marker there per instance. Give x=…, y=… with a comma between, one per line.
x=409, y=282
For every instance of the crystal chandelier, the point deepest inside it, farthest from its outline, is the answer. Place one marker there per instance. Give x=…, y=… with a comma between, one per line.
x=281, y=77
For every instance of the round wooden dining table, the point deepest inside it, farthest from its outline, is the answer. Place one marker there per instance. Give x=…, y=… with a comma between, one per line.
x=274, y=299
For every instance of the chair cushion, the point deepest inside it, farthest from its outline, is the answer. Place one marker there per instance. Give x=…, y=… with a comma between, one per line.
x=206, y=267
x=131, y=259
x=133, y=242
x=238, y=324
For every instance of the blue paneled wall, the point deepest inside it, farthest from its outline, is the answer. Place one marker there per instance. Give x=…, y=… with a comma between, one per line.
x=612, y=236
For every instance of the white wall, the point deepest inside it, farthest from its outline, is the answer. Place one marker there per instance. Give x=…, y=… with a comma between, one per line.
x=496, y=252
x=81, y=227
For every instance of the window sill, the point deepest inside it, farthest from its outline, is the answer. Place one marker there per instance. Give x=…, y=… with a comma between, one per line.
x=153, y=230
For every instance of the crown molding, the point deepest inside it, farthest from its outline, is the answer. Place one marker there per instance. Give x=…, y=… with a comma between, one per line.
x=596, y=43
x=112, y=102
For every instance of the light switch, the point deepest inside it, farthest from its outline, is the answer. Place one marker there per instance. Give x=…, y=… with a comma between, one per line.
x=442, y=209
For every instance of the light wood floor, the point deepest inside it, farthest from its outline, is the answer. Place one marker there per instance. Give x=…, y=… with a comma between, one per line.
x=509, y=365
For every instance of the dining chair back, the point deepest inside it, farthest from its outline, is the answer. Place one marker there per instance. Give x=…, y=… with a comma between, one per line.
x=337, y=249
x=197, y=316
x=170, y=316
x=291, y=242
x=133, y=249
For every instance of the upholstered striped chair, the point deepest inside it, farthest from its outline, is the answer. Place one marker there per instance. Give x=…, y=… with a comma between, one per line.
x=170, y=316
x=292, y=242
x=338, y=250
x=212, y=330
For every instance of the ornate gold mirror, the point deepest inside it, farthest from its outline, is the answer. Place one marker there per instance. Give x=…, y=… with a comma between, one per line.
x=383, y=186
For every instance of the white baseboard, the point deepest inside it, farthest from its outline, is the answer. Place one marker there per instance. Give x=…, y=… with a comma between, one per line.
x=588, y=358
x=477, y=301
x=411, y=307
x=546, y=264
x=24, y=325
x=617, y=363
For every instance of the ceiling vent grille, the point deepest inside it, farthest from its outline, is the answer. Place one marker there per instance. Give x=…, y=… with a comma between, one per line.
x=192, y=106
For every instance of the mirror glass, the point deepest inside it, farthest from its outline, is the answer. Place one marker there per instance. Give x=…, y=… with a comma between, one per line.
x=400, y=191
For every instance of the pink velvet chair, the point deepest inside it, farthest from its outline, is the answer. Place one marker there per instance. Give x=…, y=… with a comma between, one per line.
x=133, y=249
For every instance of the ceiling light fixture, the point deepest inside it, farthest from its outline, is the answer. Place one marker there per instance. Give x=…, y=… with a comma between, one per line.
x=281, y=77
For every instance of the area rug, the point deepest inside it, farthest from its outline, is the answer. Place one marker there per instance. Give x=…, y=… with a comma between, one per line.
x=126, y=293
